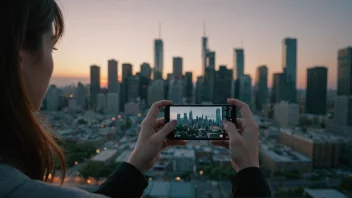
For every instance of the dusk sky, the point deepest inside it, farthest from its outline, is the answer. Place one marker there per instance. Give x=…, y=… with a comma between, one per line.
x=125, y=30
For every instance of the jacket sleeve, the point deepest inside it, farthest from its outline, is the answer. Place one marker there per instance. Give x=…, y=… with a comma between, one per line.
x=125, y=181
x=250, y=182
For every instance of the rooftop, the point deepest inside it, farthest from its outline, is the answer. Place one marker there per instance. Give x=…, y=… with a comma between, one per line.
x=124, y=156
x=104, y=155
x=280, y=153
x=312, y=136
x=184, y=153
x=324, y=193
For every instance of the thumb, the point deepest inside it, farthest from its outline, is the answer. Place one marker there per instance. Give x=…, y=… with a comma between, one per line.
x=231, y=130
x=168, y=128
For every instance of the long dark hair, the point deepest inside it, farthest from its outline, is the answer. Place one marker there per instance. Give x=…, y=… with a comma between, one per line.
x=24, y=143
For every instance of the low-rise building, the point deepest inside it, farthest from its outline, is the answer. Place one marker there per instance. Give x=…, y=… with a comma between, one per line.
x=323, y=148
x=277, y=157
x=286, y=114
x=184, y=160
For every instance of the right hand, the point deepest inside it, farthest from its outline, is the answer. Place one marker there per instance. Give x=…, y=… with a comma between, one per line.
x=243, y=142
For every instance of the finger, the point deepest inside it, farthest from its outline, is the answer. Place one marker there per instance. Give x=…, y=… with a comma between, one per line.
x=168, y=128
x=174, y=143
x=160, y=122
x=223, y=143
x=231, y=130
x=239, y=123
x=154, y=110
x=243, y=107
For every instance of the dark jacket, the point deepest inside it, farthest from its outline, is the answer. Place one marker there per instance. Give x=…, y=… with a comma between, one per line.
x=127, y=181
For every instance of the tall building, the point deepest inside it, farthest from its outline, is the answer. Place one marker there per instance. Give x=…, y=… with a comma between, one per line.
x=316, y=93
x=81, y=96
x=112, y=76
x=155, y=91
x=204, y=53
x=222, y=85
x=218, y=117
x=52, y=98
x=112, y=103
x=146, y=70
x=289, y=65
x=344, y=72
x=189, y=87
x=101, y=102
x=245, y=86
x=158, y=58
x=126, y=73
x=210, y=60
x=177, y=64
x=94, y=85
x=286, y=114
x=278, y=88
x=176, y=90
x=261, y=87
x=132, y=88
x=190, y=115
x=238, y=63
x=198, y=92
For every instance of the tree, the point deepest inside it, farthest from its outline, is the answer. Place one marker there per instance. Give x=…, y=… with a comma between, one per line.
x=295, y=192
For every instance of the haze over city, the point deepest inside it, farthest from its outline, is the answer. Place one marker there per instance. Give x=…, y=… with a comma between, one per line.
x=125, y=30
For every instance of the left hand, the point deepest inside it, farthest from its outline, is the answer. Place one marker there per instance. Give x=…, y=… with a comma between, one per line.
x=152, y=138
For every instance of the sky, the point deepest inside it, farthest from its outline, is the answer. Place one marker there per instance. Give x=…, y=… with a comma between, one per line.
x=196, y=111
x=125, y=30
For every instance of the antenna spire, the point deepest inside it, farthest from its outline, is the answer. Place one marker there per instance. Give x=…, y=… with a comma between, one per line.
x=204, y=29
x=159, y=29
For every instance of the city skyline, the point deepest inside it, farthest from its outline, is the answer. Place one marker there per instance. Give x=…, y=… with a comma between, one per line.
x=210, y=112
x=321, y=28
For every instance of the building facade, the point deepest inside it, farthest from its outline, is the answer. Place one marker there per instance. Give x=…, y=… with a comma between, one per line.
x=316, y=93
x=158, y=58
x=94, y=85
x=286, y=114
x=261, y=87
x=112, y=76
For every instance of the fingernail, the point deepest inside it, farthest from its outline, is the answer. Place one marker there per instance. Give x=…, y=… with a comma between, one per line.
x=174, y=122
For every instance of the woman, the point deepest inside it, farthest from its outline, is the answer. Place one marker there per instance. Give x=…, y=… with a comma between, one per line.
x=29, y=31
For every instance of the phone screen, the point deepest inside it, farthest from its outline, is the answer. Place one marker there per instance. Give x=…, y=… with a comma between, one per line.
x=200, y=122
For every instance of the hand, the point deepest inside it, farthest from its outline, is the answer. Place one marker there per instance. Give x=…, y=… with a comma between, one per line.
x=151, y=139
x=243, y=143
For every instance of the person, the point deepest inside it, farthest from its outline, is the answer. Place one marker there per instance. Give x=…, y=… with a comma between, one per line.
x=30, y=30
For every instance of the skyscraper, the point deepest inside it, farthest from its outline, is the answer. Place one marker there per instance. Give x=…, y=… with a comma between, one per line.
x=218, y=117
x=278, y=88
x=289, y=65
x=238, y=64
x=344, y=72
x=112, y=76
x=112, y=103
x=185, y=117
x=146, y=70
x=126, y=73
x=177, y=67
x=132, y=88
x=156, y=91
x=52, y=98
x=222, y=85
x=198, y=92
x=204, y=52
x=176, y=90
x=94, y=85
x=190, y=115
x=101, y=102
x=246, y=89
x=211, y=60
x=178, y=118
x=316, y=93
x=158, y=58
x=81, y=96
x=189, y=87
x=261, y=87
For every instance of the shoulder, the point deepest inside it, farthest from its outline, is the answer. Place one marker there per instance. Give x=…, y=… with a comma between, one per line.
x=39, y=189
x=15, y=184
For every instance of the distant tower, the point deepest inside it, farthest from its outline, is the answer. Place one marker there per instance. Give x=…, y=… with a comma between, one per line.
x=185, y=117
x=317, y=82
x=178, y=118
x=261, y=87
x=158, y=56
x=112, y=76
x=218, y=117
x=289, y=65
x=94, y=85
x=81, y=96
x=177, y=67
x=190, y=115
x=204, y=49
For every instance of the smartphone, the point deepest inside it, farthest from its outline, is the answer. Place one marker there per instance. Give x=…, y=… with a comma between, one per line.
x=199, y=122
